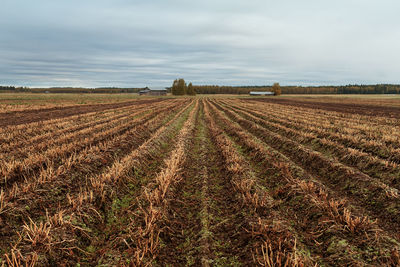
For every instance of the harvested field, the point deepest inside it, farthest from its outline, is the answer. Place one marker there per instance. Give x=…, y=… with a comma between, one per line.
x=362, y=107
x=201, y=182
x=28, y=116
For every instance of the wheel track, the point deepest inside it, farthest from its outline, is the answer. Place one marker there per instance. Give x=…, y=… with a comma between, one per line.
x=204, y=222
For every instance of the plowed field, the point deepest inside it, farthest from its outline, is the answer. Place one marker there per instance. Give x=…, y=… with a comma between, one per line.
x=201, y=182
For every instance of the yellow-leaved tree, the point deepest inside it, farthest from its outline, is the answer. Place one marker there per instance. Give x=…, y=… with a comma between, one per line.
x=276, y=88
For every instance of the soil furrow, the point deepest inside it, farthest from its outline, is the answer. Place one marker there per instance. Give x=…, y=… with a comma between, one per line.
x=18, y=170
x=44, y=197
x=385, y=171
x=85, y=207
x=365, y=145
x=375, y=197
x=197, y=181
x=19, y=146
x=369, y=110
x=24, y=117
x=203, y=216
x=311, y=204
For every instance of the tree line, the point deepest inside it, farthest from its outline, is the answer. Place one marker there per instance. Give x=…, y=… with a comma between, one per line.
x=179, y=87
x=345, y=89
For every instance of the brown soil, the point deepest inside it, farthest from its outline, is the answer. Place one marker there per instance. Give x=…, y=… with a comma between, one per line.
x=207, y=221
x=333, y=176
x=317, y=168
x=28, y=116
x=51, y=197
x=362, y=109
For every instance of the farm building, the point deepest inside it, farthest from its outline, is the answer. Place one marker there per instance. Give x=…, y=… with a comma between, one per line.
x=262, y=93
x=148, y=91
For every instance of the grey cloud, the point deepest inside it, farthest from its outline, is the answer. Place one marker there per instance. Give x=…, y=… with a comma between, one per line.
x=138, y=43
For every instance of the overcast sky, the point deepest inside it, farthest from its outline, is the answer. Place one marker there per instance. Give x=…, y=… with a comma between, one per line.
x=227, y=42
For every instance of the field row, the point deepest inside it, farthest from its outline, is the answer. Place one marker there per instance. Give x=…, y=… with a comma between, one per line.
x=388, y=108
x=34, y=115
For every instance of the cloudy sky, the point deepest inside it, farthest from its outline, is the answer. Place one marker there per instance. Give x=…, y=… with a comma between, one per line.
x=133, y=43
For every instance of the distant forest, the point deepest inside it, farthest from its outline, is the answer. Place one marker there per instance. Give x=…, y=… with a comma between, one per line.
x=346, y=89
x=215, y=89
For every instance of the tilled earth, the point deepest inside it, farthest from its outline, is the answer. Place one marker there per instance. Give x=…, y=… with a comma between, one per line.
x=201, y=182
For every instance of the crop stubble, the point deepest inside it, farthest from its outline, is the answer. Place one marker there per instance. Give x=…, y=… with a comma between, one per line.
x=203, y=182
